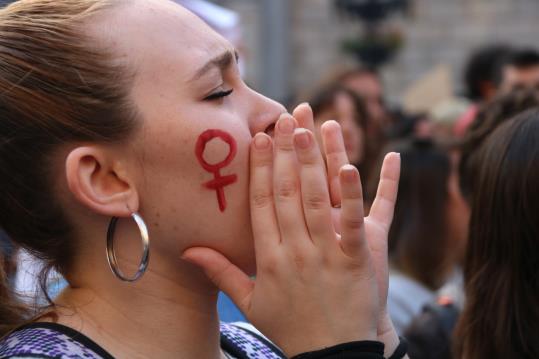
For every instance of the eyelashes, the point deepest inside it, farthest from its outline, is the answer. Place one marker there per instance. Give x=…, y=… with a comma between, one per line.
x=218, y=95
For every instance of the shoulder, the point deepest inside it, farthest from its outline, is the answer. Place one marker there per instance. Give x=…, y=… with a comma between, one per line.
x=49, y=340
x=406, y=297
x=405, y=289
x=244, y=341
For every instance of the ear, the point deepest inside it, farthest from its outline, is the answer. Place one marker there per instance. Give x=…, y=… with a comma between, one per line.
x=100, y=182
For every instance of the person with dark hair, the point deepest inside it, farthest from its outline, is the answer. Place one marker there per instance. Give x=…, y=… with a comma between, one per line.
x=430, y=333
x=344, y=106
x=482, y=74
x=503, y=107
x=367, y=83
x=136, y=162
x=482, y=71
x=425, y=240
x=520, y=68
x=501, y=315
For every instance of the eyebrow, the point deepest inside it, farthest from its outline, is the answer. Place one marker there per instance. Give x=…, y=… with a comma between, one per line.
x=221, y=62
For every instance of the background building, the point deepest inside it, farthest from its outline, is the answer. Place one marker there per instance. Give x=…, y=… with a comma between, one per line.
x=291, y=44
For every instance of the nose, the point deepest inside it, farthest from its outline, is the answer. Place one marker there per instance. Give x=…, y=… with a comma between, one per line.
x=264, y=113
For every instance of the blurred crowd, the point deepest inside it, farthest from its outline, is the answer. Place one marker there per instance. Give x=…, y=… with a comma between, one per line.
x=440, y=165
x=439, y=151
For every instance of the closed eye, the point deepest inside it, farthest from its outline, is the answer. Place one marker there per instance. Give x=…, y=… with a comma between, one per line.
x=218, y=95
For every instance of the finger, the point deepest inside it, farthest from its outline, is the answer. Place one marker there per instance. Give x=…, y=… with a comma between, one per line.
x=352, y=218
x=304, y=115
x=384, y=204
x=314, y=189
x=263, y=218
x=286, y=186
x=336, y=157
x=225, y=275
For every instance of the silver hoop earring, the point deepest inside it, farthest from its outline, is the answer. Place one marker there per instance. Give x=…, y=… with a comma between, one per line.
x=111, y=255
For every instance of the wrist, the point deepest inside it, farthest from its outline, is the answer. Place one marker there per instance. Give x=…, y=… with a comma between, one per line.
x=353, y=350
x=387, y=334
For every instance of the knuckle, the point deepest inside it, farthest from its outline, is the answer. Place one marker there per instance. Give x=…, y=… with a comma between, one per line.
x=352, y=193
x=287, y=189
x=262, y=161
x=285, y=145
x=269, y=265
x=315, y=201
x=261, y=198
x=353, y=222
x=302, y=266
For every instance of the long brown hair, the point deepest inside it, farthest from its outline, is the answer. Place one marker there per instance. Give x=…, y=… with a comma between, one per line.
x=501, y=315
x=495, y=112
x=418, y=238
x=57, y=87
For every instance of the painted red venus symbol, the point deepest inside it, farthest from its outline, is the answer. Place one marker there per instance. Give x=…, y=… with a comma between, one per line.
x=218, y=182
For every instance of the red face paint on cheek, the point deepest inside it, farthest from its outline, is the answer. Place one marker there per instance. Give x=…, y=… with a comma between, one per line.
x=219, y=182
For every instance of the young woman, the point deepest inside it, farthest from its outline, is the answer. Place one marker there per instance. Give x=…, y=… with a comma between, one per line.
x=125, y=126
x=501, y=315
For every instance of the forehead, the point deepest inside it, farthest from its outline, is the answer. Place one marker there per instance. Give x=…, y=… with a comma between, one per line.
x=158, y=35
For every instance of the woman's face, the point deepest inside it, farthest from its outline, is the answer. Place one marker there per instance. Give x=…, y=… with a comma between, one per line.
x=345, y=113
x=195, y=111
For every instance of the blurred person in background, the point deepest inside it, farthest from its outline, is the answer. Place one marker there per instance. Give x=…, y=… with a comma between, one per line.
x=501, y=314
x=520, y=68
x=482, y=74
x=367, y=83
x=483, y=70
x=340, y=104
x=430, y=334
x=503, y=107
x=427, y=235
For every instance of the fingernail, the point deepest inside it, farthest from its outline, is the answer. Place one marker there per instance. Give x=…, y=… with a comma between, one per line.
x=349, y=173
x=286, y=125
x=302, y=138
x=262, y=141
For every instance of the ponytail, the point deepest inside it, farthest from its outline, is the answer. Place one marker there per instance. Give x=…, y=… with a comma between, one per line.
x=12, y=312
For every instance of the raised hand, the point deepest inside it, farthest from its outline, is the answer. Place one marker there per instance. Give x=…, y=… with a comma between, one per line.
x=377, y=224
x=314, y=288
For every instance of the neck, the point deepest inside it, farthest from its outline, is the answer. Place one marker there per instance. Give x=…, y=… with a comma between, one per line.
x=166, y=314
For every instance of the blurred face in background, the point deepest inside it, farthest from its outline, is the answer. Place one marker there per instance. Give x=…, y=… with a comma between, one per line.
x=514, y=76
x=344, y=111
x=368, y=86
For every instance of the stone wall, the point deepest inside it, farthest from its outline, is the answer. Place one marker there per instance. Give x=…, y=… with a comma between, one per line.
x=437, y=31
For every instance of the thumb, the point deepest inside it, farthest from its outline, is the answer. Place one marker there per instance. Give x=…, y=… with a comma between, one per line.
x=225, y=275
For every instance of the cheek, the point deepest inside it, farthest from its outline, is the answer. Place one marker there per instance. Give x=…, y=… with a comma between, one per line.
x=215, y=150
x=195, y=191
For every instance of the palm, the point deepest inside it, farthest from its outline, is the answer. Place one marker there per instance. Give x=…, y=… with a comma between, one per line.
x=376, y=234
